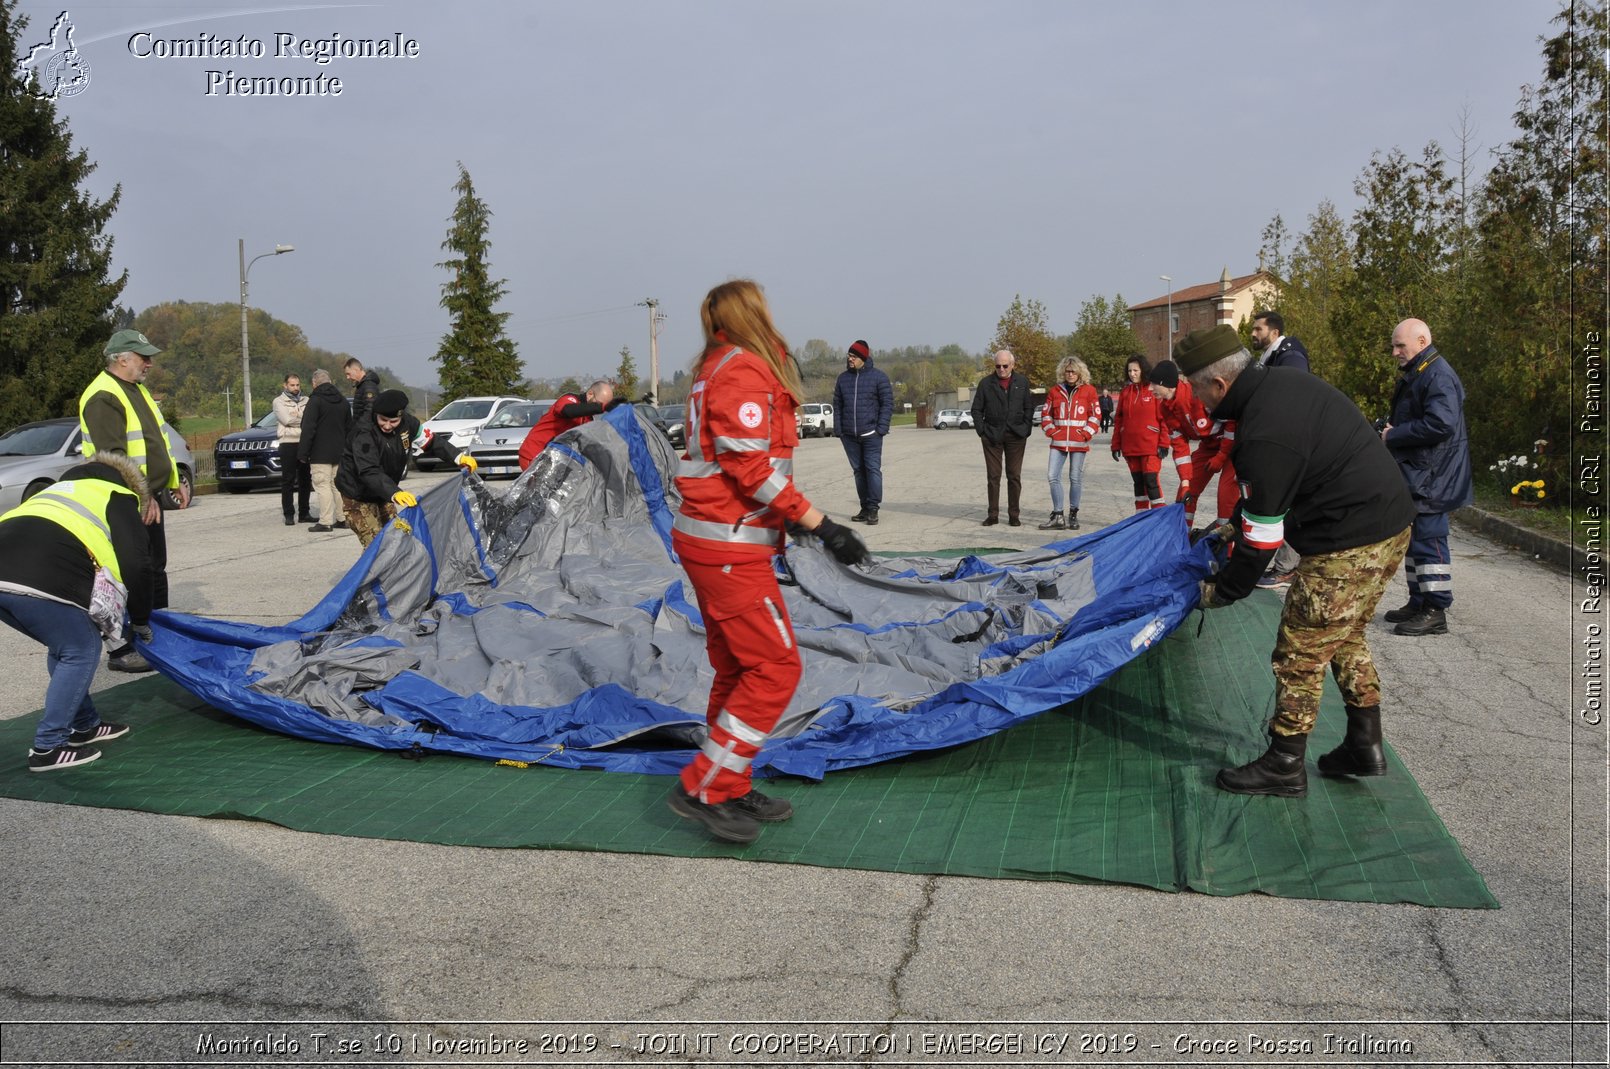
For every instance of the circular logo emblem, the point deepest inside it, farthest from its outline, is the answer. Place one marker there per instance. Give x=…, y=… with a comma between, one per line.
x=749, y=414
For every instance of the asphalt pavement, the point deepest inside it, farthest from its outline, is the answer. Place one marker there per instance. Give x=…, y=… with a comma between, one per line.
x=252, y=933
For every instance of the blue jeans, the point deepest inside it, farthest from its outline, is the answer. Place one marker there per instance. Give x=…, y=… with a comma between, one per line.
x=1075, y=465
x=866, y=460
x=73, y=648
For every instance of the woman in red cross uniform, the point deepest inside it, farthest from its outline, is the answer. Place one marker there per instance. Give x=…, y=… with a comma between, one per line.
x=738, y=495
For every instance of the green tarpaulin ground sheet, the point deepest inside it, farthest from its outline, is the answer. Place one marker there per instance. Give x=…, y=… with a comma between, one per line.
x=1115, y=787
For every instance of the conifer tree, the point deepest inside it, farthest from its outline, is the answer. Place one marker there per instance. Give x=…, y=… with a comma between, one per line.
x=476, y=356
x=626, y=381
x=57, y=296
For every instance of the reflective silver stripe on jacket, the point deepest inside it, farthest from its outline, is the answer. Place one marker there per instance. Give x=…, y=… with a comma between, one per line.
x=767, y=491
x=724, y=532
x=703, y=469
x=76, y=507
x=741, y=445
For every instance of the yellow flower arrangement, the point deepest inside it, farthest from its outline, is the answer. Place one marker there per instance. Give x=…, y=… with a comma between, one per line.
x=1528, y=488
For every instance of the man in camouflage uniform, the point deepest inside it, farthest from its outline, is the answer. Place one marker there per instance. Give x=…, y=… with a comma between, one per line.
x=1312, y=472
x=374, y=462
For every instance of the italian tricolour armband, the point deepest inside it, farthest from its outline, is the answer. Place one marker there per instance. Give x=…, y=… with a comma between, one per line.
x=1262, y=532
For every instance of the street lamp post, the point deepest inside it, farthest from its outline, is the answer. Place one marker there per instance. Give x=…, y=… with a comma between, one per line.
x=1168, y=324
x=245, y=341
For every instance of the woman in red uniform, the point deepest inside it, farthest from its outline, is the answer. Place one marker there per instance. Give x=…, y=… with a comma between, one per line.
x=738, y=494
x=1071, y=418
x=1138, y=436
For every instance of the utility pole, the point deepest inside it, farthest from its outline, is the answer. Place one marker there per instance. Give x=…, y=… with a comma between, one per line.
x=656, y=319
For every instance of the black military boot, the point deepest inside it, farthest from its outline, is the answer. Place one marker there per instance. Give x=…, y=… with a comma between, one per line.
x=1054, y=523
x=1073, y=519
x=1400, y=614
x=1279, y=771
x=1427, y=621
x=871, y=518
x=859, y=517
x=1360, y=753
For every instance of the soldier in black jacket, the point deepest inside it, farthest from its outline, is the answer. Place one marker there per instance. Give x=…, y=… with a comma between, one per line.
x=1003, y=416
x=1313, y=472
x=365, y=388
x=376, y=457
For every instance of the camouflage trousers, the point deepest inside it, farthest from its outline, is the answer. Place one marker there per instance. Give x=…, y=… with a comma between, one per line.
x=1332, y=599
x=366, y=518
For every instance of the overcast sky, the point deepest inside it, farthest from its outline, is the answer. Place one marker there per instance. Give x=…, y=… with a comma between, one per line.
x=889, y=170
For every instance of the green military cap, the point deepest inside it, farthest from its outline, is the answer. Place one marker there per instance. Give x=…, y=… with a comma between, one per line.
x=131, y=341
x=1200, y=348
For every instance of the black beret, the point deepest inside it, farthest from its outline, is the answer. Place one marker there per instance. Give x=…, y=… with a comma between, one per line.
x=391, y=403
x=1166, y=374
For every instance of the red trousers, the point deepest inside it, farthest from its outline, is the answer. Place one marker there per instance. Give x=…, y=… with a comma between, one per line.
x=1143, y=471
x=750, y=642
x=1205, y=463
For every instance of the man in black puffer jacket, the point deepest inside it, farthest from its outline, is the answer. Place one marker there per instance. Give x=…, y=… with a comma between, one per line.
x=863, y=405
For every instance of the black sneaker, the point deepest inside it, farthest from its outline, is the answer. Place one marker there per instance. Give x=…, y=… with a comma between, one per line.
x=319, y=528
x=727, y=820
x=763, y=807
x=60, y=757
x=871, y=518
x=304, y=518
x=105, y=731
x=859, y=517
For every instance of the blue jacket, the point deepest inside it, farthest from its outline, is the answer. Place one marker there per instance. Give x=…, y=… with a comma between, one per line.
x=1289, y=353
x=863, y=402
x=1428, y=438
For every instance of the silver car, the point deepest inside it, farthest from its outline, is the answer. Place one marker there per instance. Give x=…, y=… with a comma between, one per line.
x=35, y=455
x=496, y=447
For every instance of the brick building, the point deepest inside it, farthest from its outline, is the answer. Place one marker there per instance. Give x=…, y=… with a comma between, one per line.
x=1229, y=300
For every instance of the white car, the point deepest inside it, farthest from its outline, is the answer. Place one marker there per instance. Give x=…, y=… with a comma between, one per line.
x=814, y=420
x=460, y=421
x=960, y=418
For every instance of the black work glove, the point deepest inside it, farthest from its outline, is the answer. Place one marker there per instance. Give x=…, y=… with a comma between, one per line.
x=614, y=404
x=1162, y=451
x=842, y=542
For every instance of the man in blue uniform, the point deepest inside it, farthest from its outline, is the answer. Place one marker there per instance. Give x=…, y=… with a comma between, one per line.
x=1426, y=435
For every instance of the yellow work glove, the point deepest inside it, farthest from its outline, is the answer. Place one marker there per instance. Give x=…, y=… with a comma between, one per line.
x=404, y=500
x=467, y=462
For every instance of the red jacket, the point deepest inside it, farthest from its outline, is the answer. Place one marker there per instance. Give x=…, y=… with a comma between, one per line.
x=549, y=427
x=1137, y=427
x=1184, y=419
x=1071, y=417
x=736, y=479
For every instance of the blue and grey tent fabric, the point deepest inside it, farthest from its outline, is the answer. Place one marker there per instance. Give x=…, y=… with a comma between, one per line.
x=552, y=624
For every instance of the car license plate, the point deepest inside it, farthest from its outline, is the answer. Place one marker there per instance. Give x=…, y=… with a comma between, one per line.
x=239, y=465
